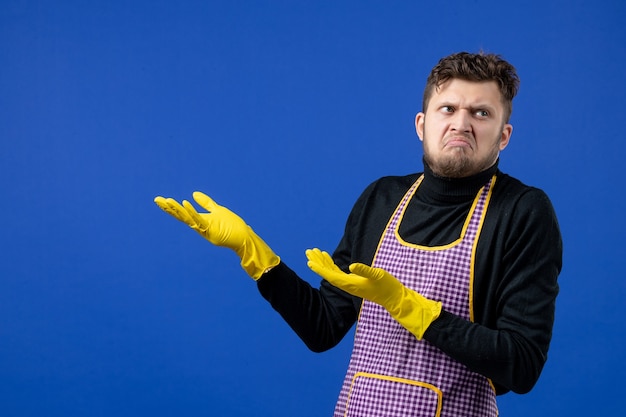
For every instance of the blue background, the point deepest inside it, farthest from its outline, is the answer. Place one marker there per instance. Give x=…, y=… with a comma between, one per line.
x=283, y=111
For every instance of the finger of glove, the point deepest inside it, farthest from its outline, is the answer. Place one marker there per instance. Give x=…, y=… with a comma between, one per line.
x=162, y=203
x=367, y=271
x=323, y=259
x=198, y=221
x=318, y=263
x=350, y=283
x=180, y=212
x=380, y=287
x=171, y=207
x=205, y=201
x=335, y=277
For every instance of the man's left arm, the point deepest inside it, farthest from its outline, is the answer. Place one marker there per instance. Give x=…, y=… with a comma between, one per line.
x=512, y=349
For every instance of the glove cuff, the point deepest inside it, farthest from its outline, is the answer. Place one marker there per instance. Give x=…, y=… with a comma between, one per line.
x=256, y=256
x=415, y=312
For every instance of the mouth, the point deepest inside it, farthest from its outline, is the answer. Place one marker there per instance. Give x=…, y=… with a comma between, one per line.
x=458, y=142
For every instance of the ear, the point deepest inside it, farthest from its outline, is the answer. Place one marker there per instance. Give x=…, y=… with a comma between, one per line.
x=507, y=130
x=419, y=125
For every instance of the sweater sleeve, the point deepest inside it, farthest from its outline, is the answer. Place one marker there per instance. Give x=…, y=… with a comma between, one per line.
x=321, y=317
x=511, y=349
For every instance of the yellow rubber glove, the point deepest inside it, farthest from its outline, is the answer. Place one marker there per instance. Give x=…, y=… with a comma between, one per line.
x=222, y=227
x=413, y=311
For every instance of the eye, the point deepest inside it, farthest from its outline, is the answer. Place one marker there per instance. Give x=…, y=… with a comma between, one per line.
x=481, y=113
x=447, y=109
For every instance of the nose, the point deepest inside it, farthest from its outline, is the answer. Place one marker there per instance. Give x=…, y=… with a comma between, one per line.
x=461, y=122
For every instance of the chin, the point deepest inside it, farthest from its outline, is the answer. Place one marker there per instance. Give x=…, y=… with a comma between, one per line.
x=452, y=167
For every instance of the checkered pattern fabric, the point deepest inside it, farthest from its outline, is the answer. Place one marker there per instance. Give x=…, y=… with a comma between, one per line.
x=391, y=373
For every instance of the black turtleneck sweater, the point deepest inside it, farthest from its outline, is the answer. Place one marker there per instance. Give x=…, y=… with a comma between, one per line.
x=518, y=259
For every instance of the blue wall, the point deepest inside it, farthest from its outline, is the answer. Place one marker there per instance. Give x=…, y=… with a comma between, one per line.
x=283, y=111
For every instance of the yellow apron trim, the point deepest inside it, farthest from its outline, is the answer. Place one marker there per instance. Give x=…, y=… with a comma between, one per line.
x=400, y=380
x=410, y=194
x=474, y=246
x=443, y=247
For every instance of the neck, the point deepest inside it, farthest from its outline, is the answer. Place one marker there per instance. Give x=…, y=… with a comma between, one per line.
x=445, y=189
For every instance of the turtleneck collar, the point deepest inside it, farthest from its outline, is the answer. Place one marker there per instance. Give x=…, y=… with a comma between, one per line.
x=453, y=190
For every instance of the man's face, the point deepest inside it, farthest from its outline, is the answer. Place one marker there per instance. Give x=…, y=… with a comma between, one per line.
x=463, y=129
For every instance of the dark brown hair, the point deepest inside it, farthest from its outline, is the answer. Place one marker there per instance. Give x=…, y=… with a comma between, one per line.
x=475, y=67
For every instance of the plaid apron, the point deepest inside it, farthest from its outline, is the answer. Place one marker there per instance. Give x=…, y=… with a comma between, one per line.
x=391, y=373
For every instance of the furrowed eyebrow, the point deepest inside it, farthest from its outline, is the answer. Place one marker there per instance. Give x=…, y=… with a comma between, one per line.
x=479, y=106
x=485, y=106
x=447, y=104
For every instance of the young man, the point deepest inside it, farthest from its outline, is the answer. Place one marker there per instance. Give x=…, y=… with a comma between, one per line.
x=450, y=274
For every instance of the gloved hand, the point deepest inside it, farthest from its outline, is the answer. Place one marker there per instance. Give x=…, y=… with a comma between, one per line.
x=222, y=227
x=413, y=311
